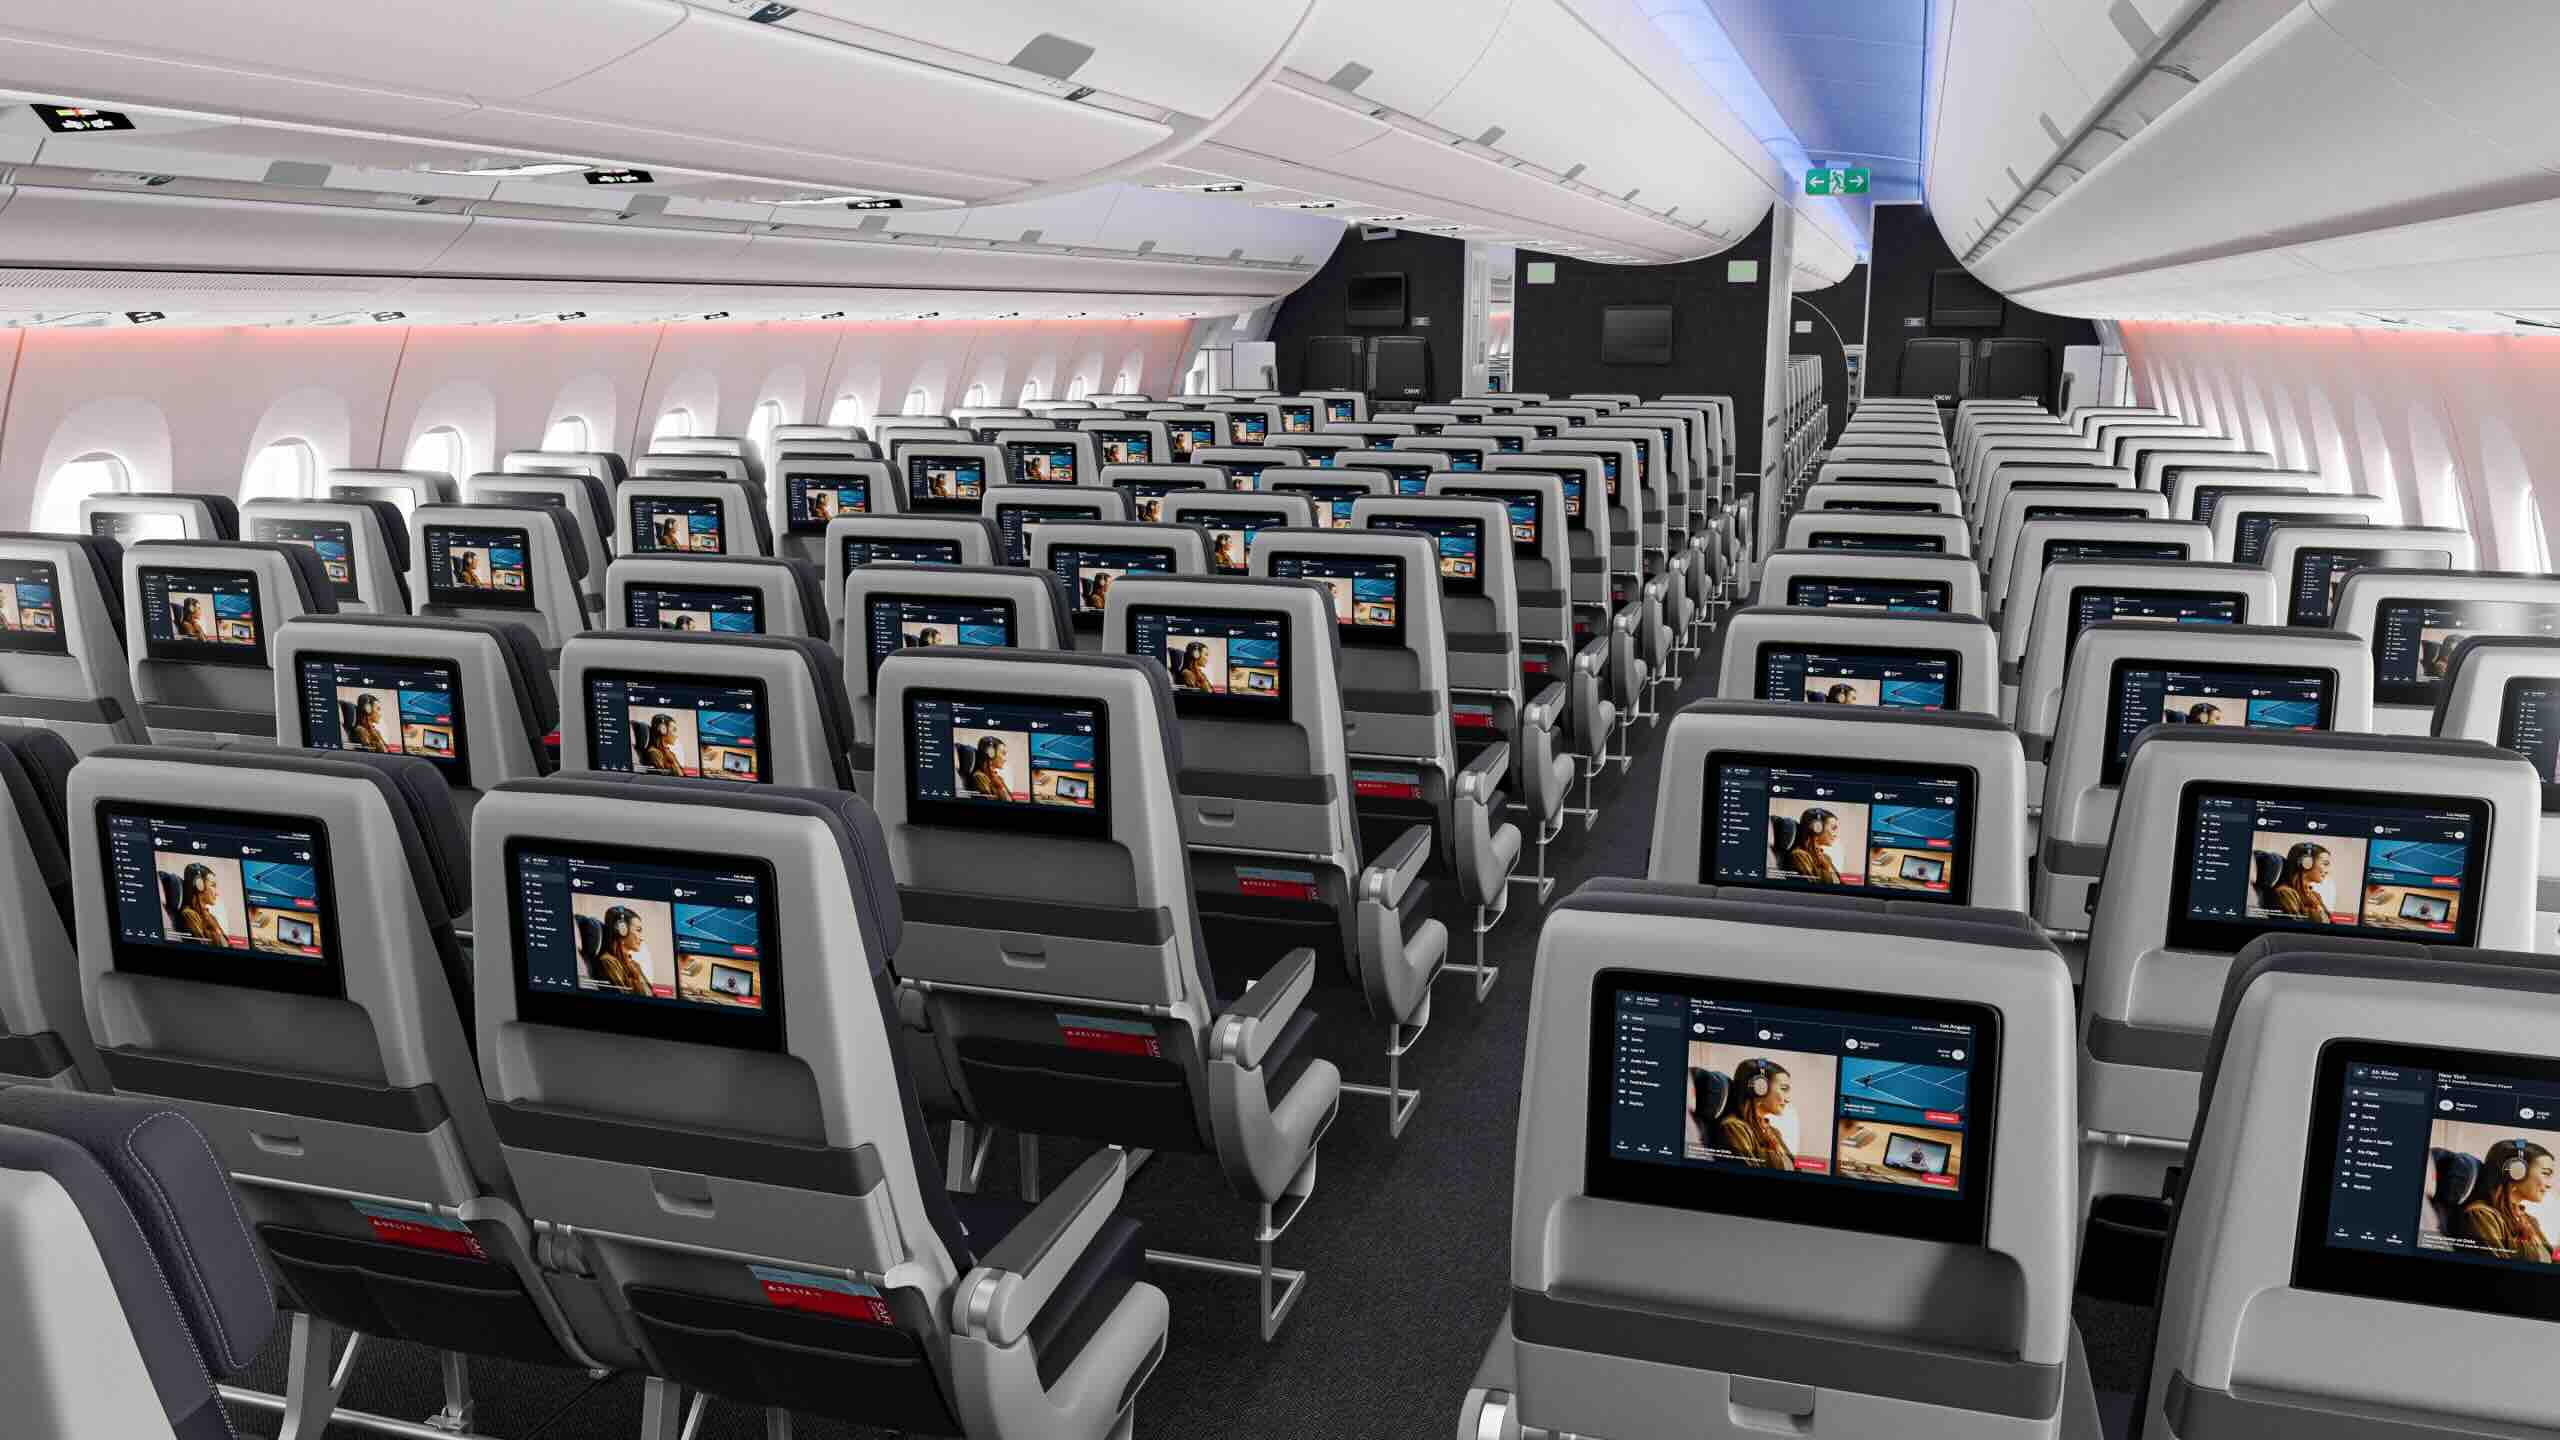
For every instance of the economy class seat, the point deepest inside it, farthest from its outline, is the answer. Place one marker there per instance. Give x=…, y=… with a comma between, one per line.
x=692, y=505
x=2499, y=688
x=1090, y=555
x=207, y=612
x=857, y=541
x=2037, y=636
x=44, y=1027
x=1017, y=510
x=131, y=518
x=2030, y=547
x=2413, y=620
x=1141, y=486
x=1913, y=534
x=66, y=664
x=502, y=564
x=363, y=545
x=1840, y=579
x=1234, y=519
x=893, y=608
x=717, y=709
x=2311, y=562
x=1912, y=661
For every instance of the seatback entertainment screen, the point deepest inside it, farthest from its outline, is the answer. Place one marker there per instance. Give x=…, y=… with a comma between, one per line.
x=1874, y=676
x=1795, y=822
x=2144, y=693
x=660, y=943
x=2252, y=859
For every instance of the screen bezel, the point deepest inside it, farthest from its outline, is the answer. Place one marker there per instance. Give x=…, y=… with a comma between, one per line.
x=1718, y=762
x=328, y=979
x=1093, y=823
x=481, y=599
x=1230, y=706
x=204, y=652
x=456, y=771
x=915, y=501
x=760, y=1029
x=2111, y=768
x=795, y=488
x=1963, y=1218
x=1953, y=660
x=878, y=598
x=767, y=750
x=2224, y=937
x=642, y=531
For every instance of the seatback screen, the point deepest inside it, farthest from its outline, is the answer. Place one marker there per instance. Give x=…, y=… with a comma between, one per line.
x=2317, y=574
x=1874, y=676
x=2144, y=693
x=386, y=707
x=2207, y=500
x=1858, y=593
x=202, y=616
x=480, y=566
x=1341, y=412
x=1608, y=467
x=946, y=482
x=1465, y=459
x=1040, y=462
x=2091, y=604
x=31, y=609
x=1841, y=1109
x=1016, y=522
x=2087, y=512
x=2254, y=859
x=693, y=609
x=126, y=526
x=1231, y=535
x=697, y=728
x=1297, y=419
x=1860, y=827
x=1007, y=763
x=1409, y=481
x=1875, y=542
x=814, y=500
x=226, y=897
x=2414, y=640
x=2428, y=1178
x=2059, y=550
x=1248, y=427
x=1459, y=543
x=922, y=622
x=1146, y=497
x=1367, y=590
x=1125, y=447
x=1332, y=502
x=1528, y=514
x=1090, y=569
x=678, y=524
x=859, y=552
x=667, y=944
x=1223, y=662
x=2529, y=722
x=334, y=541
x=2256, y=530
x=1883, y=507
x=1189, y=435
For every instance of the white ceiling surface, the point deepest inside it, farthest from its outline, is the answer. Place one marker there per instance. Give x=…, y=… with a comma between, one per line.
x=1842, y=77
x=2361, y=162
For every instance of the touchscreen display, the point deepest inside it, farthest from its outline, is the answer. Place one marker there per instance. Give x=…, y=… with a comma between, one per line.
x=2414, y=640
x=2144, y=693
x=1900, y=832
x=187, y=886
x=1248, y=427
x=1040, y=462
x=915, y=622
x=1883, y=507
x=816, y=499
x=2091, y=604
x=1231, y=535
x=479, y=565
x=1823, y=593
x=1895, y=679
x=1409, y=481
x=692, y=609
x=1460, y=544
x=2255, y=859
x=387, y=707
x=945, y=482
x=1146, y=497
x=1190, y=435
x=700, y=729
x=646, y=942
x=31, y=609
x=1465, y=459
x=1836, y=1108
x=2317, y=574
x=1608, y=467
x=2529, y=723
x=2086, y=512
x=999, y=762
x=1341, y=411
x=2428, y=1178
x=1297, y=419
x=1528, y=514
x=1090, y=569
x=1367, y=590
x=860, y=552
x=126, y=526
x=1016, y=522
x=677, y=524
x=1332, y=502
x=1125, y=447
x=202, y=616
x=2058, y=551
x=1222, y=661
x=1244, y=474
x=2250, y=537
x=1872, y=542
x=334, y=541
x=2208, y=498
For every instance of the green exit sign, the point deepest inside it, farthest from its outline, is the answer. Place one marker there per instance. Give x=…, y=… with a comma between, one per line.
x=1837, y=180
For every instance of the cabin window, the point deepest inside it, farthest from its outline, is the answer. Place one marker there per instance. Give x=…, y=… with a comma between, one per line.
x=676, y=424
x=849, y=410
x=439, y=450
x=1121, y=384
x=1030, y=392
x=1076, y=388
x=977, y=396
x=567, y=435
x=98, y=473
x=284, y=470
x=760, y=426
x=919, y=403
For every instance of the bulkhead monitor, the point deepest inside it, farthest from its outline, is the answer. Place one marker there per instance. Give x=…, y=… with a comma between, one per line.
x=892, y=550
x=2529, y=724
x=1090, y=569
x=1799, y=822
x=2253, y=859
x=228, y=897
x=386, y=706
x=946, y=483
x=2250, y=538
x=1883, y=676
x=678, y=525
x=1844, y=1110
x=2144, y=693
x=334, y=541
x=126, y=527
x=922, y=622
x=1003, y=762
x=659, y=943
x=814, y=500
x=1041, y=462
x=1124, y=447
x=2317, y=574
x=1460, y=543
x=202, y=616
x=2414, y=640
x=2207, y=500
x=1189, y=435
x=1852, y=592
x=1367, y=590
x=2058, y=550
x=1014, y=523
x=1865, y=542
x=693, y=609
x=480, y=566
x=695, y=727
x=1231, y=533
x=1223, y=661
x=31, y=609
x=1332, y=502
x=2427, y=1177
x=2091, y=604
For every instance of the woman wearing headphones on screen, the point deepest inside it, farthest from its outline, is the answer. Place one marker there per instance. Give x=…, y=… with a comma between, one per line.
x=1761, y=1092
x=2296, y=892
x=1810, y=856
x=2514, y=1174
x=624, y=961
x=199, y=917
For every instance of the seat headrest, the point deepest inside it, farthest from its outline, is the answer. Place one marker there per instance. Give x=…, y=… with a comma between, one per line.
x=35, y=773
x=224, y=512
x=394, y=530
x=809, y=582
x=106, y=566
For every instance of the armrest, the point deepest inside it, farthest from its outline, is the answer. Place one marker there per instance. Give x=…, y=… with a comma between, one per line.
x=1593, y=658
x=1014, y=1281
x=2070, y=857
x=1397, y=867
x=1484, y=773
x=1254, y=1023
x=1543, y=712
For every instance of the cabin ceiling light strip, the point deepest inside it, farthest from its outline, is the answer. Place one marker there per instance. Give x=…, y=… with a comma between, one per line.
x=530, y=170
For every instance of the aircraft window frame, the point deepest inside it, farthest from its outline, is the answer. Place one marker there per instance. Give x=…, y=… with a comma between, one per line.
x=2530, y=521
x=57, y=507
x=283, y=469
x=849, y=409
x=1030, y=391
x=1077, y=389
x=673, y=423
x=761, y=422
x=559, y=437
x=455, y=461
x=918, y=403
x=976, y=397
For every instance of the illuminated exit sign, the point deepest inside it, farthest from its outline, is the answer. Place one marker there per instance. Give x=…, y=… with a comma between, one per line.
x=1837, y=180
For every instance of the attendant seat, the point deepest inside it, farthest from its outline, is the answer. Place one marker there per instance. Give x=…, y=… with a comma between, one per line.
x=208, y=613
x=69, y=668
